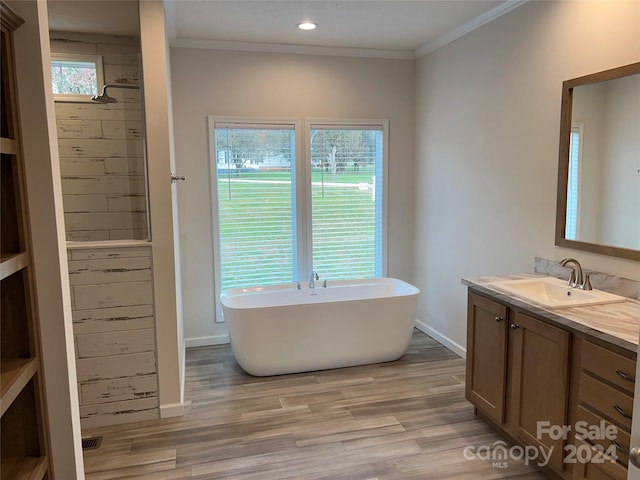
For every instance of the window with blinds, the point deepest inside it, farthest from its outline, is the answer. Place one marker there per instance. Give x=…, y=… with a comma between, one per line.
x=573, y=182
x=346, y=196
x=281, y=211
x=255, y=183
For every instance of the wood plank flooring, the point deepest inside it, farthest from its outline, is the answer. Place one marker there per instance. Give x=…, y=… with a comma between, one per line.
x=403, y=420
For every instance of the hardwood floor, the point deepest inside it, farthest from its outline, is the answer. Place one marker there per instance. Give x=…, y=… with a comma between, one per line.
x=401, y=420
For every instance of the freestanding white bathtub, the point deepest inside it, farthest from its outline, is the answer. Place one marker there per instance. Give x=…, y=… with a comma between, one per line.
x=282, y=329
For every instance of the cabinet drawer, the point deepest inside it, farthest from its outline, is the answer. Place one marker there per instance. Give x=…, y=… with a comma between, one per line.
x=614, y=404
x=611, y=366
x=596, y=469
x=621, y=437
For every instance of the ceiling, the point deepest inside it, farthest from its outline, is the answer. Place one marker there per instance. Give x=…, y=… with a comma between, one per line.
x=378, y=28
x=114, y=17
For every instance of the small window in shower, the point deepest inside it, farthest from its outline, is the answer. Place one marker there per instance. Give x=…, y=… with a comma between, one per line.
x=76, y=78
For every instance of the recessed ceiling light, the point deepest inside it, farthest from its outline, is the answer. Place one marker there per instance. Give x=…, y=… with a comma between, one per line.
x=307, y=26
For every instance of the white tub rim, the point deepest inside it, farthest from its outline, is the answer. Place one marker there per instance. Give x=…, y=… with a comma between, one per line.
x=401, y=289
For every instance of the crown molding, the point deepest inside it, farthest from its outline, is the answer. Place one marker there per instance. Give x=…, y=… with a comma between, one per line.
x=468, y=27
x=10, y=19
x=293, y=49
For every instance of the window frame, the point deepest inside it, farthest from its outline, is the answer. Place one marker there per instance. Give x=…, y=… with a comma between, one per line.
x=78, y=57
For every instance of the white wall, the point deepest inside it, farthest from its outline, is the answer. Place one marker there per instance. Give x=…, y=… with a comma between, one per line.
x=207, y=82
x=488, y=115
x=159, y=151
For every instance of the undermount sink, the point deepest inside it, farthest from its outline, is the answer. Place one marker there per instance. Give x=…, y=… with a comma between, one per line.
x=554, y=293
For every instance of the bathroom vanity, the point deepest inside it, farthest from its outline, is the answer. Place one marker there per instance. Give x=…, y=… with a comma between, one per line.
x=543, y=377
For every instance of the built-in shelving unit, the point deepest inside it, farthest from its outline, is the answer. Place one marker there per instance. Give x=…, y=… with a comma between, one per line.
x=23, y=425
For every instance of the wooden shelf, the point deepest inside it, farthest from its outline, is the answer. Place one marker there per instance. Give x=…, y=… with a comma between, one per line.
x=15, y=373
x=27, y=468
x=9, y=146
x=23, y=421
x=12, y=263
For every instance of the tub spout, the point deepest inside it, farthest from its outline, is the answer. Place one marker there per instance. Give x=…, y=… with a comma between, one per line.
x=313, y=278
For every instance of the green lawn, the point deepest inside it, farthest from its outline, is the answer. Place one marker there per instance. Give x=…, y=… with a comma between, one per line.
x=363, y=175
x=256, y=227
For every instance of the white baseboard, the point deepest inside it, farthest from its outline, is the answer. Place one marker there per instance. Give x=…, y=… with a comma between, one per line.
x=206, y=341
x=443, y=339
x=172, y=410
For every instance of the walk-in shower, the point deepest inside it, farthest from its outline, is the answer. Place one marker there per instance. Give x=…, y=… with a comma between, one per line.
x=101, y=145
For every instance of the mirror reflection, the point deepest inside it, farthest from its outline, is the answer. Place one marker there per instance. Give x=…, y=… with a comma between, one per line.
x=600, y=163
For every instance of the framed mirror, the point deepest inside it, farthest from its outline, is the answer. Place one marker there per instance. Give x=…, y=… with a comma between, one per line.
x=598, y=202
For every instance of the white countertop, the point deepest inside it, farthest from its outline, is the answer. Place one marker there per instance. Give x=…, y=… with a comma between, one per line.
x=616, y=323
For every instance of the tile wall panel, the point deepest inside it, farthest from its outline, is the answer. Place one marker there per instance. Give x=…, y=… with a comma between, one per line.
x=114, y=333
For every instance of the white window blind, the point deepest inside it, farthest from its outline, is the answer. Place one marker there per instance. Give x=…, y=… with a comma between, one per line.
x=573, y=183
x=346, y=194
x=255, y=179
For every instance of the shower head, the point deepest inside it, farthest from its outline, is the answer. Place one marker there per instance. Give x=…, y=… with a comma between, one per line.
x=103, y=97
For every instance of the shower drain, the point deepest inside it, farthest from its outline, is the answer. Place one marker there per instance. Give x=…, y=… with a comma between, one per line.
x=91, y=443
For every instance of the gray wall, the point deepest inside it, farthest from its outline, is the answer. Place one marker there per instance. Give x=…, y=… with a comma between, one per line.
x=488, y=116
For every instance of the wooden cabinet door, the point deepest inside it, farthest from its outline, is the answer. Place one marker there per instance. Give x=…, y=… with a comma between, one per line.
x=538, y=382
x=486, y=356
x=603, y=470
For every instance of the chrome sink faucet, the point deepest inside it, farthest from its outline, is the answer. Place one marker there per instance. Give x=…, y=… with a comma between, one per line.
x=576, y=279
x=313, y=278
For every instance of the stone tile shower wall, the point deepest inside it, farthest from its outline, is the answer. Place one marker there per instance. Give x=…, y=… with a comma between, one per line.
x=101, y=146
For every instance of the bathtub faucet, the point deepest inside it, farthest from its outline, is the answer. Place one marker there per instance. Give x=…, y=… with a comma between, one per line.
x=312, y=279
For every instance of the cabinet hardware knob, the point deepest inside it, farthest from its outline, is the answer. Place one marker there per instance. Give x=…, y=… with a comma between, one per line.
x=625, y=376
x=634, y=456
x=621, y=412
x=499, y=319
x=515, y=326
